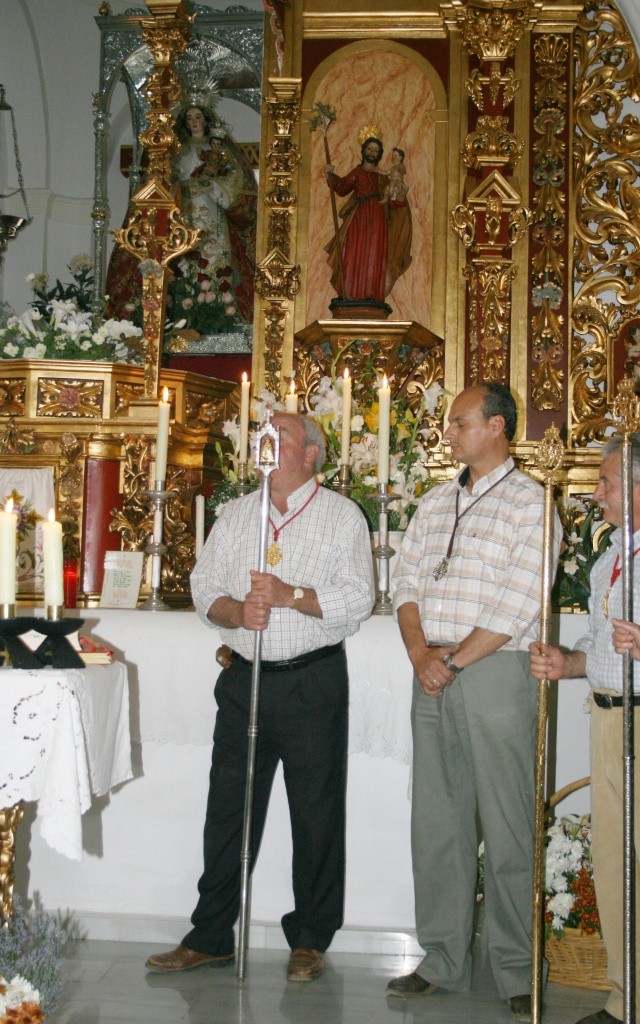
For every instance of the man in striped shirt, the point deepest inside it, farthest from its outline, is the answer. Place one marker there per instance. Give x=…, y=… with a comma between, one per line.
x=467, y=594
x=317, y=591
x=597, y=655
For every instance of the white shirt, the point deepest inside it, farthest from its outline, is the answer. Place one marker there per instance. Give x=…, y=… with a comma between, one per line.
x=494, y=576
x=326, y=547
x=604, y=666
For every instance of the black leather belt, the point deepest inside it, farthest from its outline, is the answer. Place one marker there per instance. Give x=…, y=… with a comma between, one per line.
x=606, y=700
x=300, y=662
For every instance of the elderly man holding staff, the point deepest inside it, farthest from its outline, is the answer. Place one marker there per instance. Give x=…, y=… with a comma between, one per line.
x=598, y=656
x=316, y=591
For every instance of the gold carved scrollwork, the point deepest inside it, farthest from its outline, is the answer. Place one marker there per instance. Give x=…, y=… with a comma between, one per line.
x=13, y=391
x=71, y=489
x=463, y=223
x=492, y=144
x=16, y=439
x=275, y=316
x=490, y=293
x=497, y=79
x=67, y=397
x=134, y=521
x=493, y=28
x=178, y=533
x=10, y=818
x=549, y=218
x=277, y=279
x=626, y=406
x=607, y=213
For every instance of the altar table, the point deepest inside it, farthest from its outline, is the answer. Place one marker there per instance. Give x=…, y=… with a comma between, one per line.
x=145, y=889
x=64, y=736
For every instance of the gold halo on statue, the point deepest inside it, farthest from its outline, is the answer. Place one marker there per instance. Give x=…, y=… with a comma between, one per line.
x=369, y=131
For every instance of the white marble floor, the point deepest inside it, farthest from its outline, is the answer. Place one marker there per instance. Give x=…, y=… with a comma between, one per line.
x=107, y=984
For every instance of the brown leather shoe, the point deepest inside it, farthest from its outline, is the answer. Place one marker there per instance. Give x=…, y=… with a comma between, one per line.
x=305, y=965
x=410, y=985
x=183, y=959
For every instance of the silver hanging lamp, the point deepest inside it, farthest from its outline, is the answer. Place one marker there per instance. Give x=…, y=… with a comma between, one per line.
x=9, y=224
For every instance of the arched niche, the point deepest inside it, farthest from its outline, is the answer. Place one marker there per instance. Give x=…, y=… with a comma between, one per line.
x=393, y=86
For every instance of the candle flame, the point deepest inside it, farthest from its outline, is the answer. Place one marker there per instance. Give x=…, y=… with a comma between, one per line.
x=9, y=505
x=346, y=373
x=165, y=394
x=292, y=389
x=52, y=516
x=385, y=382
x=244, y=377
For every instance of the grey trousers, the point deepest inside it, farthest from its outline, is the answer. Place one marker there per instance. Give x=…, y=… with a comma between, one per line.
x=473, y=767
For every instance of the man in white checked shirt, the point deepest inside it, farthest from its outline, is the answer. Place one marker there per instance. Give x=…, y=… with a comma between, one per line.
x=467, y=592
x=317, y=591
x=597, y=655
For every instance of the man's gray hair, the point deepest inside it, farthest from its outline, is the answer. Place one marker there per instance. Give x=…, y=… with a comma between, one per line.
x=314, y=434
x=614, y=447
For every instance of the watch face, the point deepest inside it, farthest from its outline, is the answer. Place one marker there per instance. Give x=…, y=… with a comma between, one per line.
x=298, y=594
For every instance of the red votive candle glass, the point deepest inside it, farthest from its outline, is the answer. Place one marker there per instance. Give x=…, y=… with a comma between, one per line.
x=70, y=584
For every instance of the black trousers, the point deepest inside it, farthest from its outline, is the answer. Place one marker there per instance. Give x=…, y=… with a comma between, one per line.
x=303, y=722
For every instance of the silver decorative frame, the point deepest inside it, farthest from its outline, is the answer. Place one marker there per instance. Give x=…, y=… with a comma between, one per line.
x=226, y=44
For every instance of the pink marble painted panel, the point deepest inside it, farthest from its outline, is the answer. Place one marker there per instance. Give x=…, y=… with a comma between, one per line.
x=389, y=90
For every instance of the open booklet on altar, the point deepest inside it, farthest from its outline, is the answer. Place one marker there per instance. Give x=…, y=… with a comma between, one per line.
x=122, y=579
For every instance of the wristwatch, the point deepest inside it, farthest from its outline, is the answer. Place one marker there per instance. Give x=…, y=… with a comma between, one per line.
x=448, y=662
x=298, y=594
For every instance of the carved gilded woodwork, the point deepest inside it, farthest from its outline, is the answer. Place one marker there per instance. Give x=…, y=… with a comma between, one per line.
x=277, y=279
x=70, y=397
x=606, y=146
x=15, y=439
x=12, y=396
x=156, y=232
x=109, y=429
x=491, y=29
x=489, y=283
x=10, y=818
x=492, y=144
x=548, y=348
x=409, y=354
x=134, y=521
x=70, y=492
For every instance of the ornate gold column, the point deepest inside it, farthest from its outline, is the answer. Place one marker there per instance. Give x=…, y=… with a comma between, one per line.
x=492, y=218
x=277, y=277
x=156, y=232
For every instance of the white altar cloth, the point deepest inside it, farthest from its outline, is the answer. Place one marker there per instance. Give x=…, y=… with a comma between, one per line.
x=64, y=735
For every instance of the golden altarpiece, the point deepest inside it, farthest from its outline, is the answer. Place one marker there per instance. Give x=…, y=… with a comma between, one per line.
x=520, y=128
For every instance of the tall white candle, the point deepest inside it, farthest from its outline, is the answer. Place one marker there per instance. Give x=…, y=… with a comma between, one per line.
x=245, y=388
x=291, y=399
x=8, y=542
x=345, y=452
x=52, y=554
x=162, y=439
x=384, y=424
x=200, y=523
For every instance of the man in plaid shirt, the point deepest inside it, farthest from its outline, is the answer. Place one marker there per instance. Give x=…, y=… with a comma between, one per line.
x=316, y=592
x=467, y=595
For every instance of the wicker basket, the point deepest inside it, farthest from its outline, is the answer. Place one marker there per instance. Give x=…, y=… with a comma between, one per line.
x=577, y=959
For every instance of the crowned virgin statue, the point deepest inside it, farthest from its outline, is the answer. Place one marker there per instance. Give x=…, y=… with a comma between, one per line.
x=212, y=290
